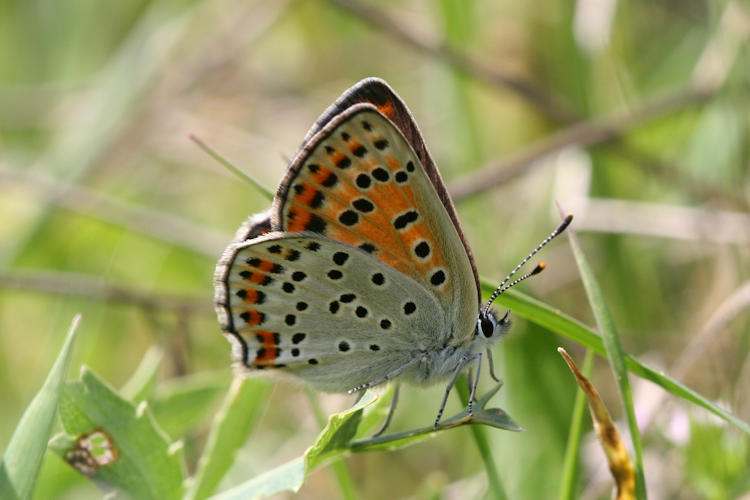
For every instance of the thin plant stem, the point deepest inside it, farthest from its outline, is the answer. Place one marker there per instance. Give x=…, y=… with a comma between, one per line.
x=267, y=193
x=615, y=355
x=479, y=434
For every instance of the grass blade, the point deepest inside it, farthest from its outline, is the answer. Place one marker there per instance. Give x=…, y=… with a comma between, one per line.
x=23, y=456
x=615, y=355
x=555, y=321
x=141, y=384
x=229, y=432
x=331, y=444
x=344, y=479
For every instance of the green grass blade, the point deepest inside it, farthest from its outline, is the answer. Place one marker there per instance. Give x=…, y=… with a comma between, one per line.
x=182, y=403
x=337, y=440
x=331, y=444
x=344, y=479
x=111, y=103
x=555, y=321
x=141, y=384
x=286, y=477
x=131, y=452
x=615, y=355
x=570, y=465
x=230, y=430
x=23, y=456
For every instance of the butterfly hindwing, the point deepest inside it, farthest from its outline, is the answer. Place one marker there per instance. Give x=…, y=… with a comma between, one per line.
x=358, y=181
x=301, y=302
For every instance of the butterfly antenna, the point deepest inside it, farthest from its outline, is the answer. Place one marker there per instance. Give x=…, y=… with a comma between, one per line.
x=538, y=269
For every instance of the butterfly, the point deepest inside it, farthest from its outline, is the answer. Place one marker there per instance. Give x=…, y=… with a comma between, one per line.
x=360, y=272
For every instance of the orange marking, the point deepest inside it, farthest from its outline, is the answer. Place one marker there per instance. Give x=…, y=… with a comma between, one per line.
x=268, y=346
x=297, y=220
x=269, y=354
x=409, y=194
x=387, y=109
x=389, y=195
x=416, y=231
x=265, y=338
x=321, y=175
x=392, y=162
x=344, y=235
x=251, y=296
x=307, y=194
x=372, y=232
x=254, y=318
x=257, y=278
x=265, y=265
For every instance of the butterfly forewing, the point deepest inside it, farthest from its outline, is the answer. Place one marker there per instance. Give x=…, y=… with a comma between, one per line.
x=302, y=301
x=378, y=93
x=359, y=182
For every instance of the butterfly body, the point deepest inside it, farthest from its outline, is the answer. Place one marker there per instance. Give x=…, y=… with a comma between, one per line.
x=360, y=273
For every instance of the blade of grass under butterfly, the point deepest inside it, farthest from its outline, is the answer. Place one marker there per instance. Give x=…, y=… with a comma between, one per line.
x=570, y=464
x=332, y=443
x=615, y=355
x=555, y=321
x=23, y=456
x=226, y=163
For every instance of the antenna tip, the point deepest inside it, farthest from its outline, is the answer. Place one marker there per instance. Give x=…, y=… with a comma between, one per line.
x=565, y=223
x=538, y=269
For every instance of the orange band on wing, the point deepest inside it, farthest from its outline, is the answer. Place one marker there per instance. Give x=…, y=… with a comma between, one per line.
x=387, y=109
x=392, y=162
x=252, y=317
x=323, y=176
x=257, y=278
x=252, y=296
x=307, y=195
x=267, y=266
x=268, y=351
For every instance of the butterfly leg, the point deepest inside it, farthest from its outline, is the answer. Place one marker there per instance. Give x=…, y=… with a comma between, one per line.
x=470, y=406
x=391, y=410
x=390, y=375
x=464, y=361
x=492, y=366
x=470, y=378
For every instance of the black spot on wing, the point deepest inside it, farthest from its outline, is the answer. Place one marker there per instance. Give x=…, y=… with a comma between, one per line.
x=405, y=219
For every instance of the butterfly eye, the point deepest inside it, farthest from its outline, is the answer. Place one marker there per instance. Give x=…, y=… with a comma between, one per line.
x=486, y=326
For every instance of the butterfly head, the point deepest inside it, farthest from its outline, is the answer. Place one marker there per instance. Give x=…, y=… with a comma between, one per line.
x=489, y=327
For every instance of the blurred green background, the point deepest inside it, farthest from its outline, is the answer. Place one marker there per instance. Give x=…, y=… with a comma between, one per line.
x=632, y=115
